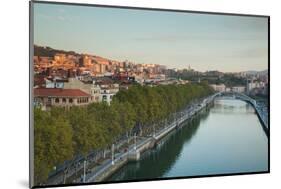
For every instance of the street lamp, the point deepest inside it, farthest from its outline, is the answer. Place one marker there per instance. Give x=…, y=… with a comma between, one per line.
x=84, y=178
x=112, y=155
x=135, y=137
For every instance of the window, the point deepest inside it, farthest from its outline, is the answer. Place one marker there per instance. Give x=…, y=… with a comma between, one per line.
x=64, y=100
x=57, y=100
x=70, y=100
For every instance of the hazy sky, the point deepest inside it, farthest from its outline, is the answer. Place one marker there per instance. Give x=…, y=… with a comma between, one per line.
x=203, y=41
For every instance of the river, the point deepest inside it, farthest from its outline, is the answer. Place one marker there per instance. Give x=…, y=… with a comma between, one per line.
x=225, y=138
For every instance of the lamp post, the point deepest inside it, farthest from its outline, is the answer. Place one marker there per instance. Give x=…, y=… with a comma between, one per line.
x=112, y=155
x=135, y=137
x=84, y=178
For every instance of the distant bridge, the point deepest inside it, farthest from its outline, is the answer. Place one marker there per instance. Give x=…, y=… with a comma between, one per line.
x=262, y=116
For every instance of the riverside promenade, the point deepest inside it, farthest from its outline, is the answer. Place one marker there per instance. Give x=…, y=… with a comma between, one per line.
x=134, y=151
x=117, y=157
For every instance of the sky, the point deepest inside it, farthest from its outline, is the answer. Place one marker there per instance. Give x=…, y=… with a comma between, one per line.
x=174, y=39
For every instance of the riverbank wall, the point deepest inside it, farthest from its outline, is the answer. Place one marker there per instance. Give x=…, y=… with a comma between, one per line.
x=263, y=123
x=111, y=170
x=259, y=114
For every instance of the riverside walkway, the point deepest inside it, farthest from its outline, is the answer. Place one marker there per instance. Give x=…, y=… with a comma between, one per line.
x=94, y=171
x=99, y=172
x=122, y=158
x=110, y=166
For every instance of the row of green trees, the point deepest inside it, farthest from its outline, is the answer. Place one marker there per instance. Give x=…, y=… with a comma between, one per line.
x=62, y=134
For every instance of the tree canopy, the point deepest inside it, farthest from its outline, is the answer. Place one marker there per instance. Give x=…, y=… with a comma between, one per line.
x=61, y=134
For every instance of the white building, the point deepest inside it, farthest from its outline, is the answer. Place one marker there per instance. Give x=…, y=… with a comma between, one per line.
x=219, y=88
x=106, y=95
x=238, y=89
x=54, y=83
x=107, y=92
x=252, y=85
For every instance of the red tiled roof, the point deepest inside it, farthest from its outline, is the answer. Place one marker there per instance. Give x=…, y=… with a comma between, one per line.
x=60, y=92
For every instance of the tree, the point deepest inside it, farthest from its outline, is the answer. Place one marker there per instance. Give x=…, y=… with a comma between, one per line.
x=60, y=134
x=53, y=142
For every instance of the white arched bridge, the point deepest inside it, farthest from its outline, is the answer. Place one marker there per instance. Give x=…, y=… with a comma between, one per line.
x=263, y=116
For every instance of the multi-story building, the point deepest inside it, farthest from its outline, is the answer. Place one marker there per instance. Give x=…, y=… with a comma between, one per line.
x=55, y=83
x=108, y=91
x=89, y=88
x=48, y=97
x=60, y=58
x=85, y=61
x=219, y=88
x=102, y=68
x=238, y=89
x=106, y=95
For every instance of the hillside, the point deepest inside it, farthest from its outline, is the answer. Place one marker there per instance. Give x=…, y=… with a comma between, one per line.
x=50, y=52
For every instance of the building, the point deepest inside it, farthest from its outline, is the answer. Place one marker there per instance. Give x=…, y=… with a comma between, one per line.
x=106, y=95
x=108, y=91
x=219, y=88
x=61, y=58
x=227, y=89
x=89, y=88
x=48, y=97
x=85, y=61
x=238, y=89
x=102, y=68
x=55, y=82
x=255, y=87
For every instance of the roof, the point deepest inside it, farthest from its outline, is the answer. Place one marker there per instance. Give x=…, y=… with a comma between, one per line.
x=54, y=92
x=39, y=80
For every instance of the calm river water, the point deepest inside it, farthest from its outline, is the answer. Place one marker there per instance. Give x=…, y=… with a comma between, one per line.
x=226, y=138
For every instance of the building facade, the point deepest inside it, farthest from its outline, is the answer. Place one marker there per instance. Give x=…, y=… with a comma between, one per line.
x=238, y=89
x=92, y=89
x=48, y=97
x=219, y=88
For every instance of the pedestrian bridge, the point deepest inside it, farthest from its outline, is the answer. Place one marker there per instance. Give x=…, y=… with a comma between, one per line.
x=261, y=115
x=235, y=95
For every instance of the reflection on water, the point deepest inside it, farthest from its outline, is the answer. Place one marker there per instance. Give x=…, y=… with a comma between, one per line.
x=227, y=138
